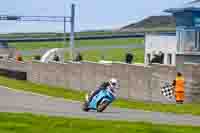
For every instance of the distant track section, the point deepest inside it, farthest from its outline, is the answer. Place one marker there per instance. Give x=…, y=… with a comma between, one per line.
x=137, y=35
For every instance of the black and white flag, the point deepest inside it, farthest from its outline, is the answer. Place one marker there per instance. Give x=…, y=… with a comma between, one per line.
x=167, y=90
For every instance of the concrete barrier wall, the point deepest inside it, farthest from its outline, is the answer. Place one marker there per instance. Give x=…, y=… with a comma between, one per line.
x=195, y=90
x=192, y=76
x=138, y=82
x=12, y=65
x=52, y=74
x=164, y=73
x=121, y=72
x=7, y=52
x=160, y=75
x=88, y=76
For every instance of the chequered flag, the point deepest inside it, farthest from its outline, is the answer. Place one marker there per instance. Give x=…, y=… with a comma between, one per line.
x=167, y=90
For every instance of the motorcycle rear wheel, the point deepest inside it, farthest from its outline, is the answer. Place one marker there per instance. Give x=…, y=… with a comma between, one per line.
x=85, y=107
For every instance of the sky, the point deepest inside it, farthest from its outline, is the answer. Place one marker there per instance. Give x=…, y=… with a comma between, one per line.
x=90, y=14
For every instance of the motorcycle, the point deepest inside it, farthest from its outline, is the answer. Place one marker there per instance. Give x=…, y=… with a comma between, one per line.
x=99, y=102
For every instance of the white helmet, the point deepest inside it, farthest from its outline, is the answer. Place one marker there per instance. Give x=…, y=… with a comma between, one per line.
x=114, y=83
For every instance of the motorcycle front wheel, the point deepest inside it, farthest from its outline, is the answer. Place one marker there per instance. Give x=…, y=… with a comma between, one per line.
x=101, y=107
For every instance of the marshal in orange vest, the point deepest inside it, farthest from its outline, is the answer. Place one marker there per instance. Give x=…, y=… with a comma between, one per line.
x=179, y=88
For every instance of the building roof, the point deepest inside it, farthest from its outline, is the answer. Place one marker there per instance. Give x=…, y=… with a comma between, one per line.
x=191, y=6
x=195, y=4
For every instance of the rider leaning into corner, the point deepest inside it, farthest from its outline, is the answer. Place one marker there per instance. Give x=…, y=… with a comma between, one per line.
x=112, y=86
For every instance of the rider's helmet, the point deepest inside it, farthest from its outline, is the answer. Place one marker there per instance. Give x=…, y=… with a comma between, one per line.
x=114, y=84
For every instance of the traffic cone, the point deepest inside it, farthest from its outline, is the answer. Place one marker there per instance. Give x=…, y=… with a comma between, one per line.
x=18, y=56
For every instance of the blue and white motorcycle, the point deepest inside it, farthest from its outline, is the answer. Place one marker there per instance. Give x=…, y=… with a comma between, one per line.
x=100, y=101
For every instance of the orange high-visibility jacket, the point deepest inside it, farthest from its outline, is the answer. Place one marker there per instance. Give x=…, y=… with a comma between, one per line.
x=179, y=87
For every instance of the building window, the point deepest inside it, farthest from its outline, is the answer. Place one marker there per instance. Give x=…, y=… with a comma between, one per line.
x=178, y=33
x=196, y=39
x=169, y=59
x=189, y=41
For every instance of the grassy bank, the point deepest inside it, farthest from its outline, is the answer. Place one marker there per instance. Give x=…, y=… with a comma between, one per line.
x=112, y=55
x=109, y=54
x=42, y=89
x=193, y=109
x=28, y=123
x=78, y=43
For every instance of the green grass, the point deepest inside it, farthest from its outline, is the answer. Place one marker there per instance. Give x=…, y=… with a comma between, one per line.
x=109, y=54
x=78, y=43
x=36, y=45
x=109, y=42
x=29, y=123
x=31, y=35
x=42, y=89
x=91, y=55
x=112, y=55
x=193, y=109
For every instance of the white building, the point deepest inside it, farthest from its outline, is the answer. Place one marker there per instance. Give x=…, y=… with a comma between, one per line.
x=165, y=43
x=185, y=44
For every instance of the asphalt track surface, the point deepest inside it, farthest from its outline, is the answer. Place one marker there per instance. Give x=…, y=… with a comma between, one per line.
x=20, y=102
x=77, y=37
